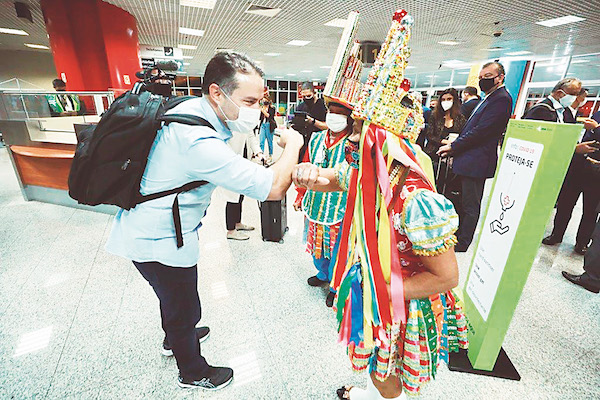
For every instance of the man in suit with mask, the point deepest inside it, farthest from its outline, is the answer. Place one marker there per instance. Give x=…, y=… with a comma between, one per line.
x=310, y=115
x=475, y=151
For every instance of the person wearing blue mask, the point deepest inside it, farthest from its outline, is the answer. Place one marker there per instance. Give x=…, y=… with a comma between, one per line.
x=233, y=87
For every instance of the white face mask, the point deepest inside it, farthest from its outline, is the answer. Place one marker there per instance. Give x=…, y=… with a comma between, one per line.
x=246, y=121
x=336, y=122
x=567, y=100
x=447, y=104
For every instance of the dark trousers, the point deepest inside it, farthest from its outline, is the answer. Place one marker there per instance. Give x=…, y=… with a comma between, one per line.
x=471, y=195
x=180, y=311
x=591, y=260
x=233, y=213
x=571, y=189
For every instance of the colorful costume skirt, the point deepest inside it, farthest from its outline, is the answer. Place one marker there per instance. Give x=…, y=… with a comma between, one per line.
x=320, y=239
x=435, y=326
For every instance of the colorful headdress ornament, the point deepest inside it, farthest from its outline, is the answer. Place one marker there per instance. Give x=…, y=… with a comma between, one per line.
x=343, y=84
x=384, y=100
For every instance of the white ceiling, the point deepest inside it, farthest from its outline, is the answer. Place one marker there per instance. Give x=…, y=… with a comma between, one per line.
x=471, y=22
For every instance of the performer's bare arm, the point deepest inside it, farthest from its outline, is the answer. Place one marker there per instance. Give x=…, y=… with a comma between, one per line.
x=441, y=276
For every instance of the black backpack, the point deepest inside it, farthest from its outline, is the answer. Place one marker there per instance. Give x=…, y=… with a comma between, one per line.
x=111, y=157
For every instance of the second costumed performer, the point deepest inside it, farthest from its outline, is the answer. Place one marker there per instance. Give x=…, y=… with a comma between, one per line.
x=397, y=312
x=324, y=211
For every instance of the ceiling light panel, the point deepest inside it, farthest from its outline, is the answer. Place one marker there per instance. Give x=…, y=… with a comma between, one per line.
x=190, y=31
x=299, y=43
x=209, y=4
x=568, y=19
x=264, y=11
x=187, y=47
x=338, y=22
x=13, y=31
x=37, y=46
x=518, y=53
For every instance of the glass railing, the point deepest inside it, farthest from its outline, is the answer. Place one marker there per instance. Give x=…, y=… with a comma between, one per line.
x=27, y=104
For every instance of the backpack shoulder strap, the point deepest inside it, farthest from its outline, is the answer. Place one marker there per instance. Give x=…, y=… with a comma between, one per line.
x=187, y=119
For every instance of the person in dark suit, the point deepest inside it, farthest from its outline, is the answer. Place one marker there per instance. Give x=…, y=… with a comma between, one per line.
x=555, y=107
x=470, y=98
x=475, y=151
x=582, y=177
x=590, y=279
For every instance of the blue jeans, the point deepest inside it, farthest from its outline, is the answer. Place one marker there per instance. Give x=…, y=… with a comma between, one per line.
x=324, y=268
x=177, y=291
x=265, y=133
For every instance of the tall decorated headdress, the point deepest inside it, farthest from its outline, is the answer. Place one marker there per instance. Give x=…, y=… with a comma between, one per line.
x=392, y=120
x=343, y=84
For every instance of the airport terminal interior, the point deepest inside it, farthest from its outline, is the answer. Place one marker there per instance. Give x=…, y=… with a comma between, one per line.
x=483, y=199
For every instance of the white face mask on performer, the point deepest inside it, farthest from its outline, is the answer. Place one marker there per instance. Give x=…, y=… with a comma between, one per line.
x=446, y=104
x=336, y=122
x=246, y=121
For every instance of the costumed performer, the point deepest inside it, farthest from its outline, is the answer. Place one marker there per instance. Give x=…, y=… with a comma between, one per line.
x=397, y=312
x=324, y=211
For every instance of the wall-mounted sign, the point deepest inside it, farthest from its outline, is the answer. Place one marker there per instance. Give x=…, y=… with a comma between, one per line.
x=126, y=80
x=152, y=54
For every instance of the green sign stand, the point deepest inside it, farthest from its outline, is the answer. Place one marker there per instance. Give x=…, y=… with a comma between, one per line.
x=533, y=163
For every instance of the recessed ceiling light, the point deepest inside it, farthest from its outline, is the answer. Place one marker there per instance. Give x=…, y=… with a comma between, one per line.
x=307, y=71
x=449, y=42
x=315, y=79
x=579, y=61
x=560, y=21
x=37, y=46
x=13, y=31
x=187, y=47
x=188, y=57
x=272, y=54
x=278, y=77
x=291, y=74
x=338, y=23
x=210, y=4
x=186, y=63
x=454, y=63
x=190, y=31
x=410, y=67
x=326, y=66
x=298, y=42
x=223, y=50
x=518, y=53
x=263, y=10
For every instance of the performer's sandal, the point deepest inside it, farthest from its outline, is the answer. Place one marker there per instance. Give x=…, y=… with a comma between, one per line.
x=344, y=392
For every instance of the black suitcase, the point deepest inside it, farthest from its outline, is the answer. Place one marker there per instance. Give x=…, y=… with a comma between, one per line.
x=448, y=183
x=273, y=220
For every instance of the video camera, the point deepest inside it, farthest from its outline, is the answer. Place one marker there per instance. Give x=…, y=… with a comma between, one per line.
x=155, y=80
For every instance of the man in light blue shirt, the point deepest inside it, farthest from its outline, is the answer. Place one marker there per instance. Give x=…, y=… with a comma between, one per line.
x=233, y=87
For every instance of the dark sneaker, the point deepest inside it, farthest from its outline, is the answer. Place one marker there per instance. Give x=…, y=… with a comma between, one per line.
x=202, y=333
x=329, y=299
x=216, y=378
x=314, y=281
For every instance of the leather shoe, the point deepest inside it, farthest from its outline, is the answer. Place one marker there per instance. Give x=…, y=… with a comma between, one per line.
x=579, y=249
x=314, y=281
x=582, y=280
x=551, y=240
x=329, y=299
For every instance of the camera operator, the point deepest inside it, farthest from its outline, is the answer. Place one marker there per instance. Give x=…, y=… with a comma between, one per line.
x=309, y=116
x=156, y=81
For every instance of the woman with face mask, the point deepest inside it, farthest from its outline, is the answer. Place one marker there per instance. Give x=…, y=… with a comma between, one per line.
x=324, y=211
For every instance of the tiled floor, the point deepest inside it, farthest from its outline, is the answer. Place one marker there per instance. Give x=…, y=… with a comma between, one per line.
x=76, y=322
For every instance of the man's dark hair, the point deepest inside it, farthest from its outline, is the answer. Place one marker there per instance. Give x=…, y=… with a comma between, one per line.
x=308, y=86
x=471, y=91
x=499, y=67
x=564, y=83
x=58, y=82
x=223, y=67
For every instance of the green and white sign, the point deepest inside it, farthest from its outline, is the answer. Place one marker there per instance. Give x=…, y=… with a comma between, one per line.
x=533, y=163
